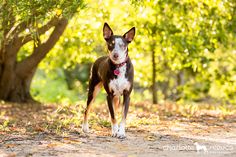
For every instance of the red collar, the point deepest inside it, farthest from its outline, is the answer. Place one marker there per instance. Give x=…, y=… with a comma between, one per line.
x=117, y=71
x=121, y=64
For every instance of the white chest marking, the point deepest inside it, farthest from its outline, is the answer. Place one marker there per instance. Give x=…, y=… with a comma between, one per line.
x=119, y=84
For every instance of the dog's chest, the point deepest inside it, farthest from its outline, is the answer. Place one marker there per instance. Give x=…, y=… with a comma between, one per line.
x=121, y=83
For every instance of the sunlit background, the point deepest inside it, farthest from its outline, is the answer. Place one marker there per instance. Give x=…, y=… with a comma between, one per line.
x=192, y=41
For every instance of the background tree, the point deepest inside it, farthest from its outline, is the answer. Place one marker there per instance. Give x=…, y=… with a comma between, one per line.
x=185, y=34
x=193, y=43
x=40, y=22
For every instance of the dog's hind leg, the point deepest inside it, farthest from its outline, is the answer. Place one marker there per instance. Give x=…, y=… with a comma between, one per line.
x=94, y=88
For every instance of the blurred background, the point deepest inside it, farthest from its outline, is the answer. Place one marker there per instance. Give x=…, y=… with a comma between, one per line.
x=184, y=50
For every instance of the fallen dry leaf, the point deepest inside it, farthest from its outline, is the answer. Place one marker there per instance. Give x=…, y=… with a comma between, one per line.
x=10, y=145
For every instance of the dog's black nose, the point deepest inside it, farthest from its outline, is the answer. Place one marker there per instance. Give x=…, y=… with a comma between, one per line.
x=115, y=55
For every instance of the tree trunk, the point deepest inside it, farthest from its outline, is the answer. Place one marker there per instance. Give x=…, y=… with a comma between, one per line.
x=15, y=78
x=154, y=85
x=19, y=91
x=179, y=82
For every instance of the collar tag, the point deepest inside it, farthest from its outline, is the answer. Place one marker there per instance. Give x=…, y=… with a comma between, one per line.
x=116, y=71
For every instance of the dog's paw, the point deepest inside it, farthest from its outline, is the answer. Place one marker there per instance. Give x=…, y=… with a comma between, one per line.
x=121, y=132
x=85, y=128
x=114, y=130
x=121, y=135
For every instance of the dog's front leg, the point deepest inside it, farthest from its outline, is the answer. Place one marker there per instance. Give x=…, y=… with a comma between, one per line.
x=114, y=125
x=125, y=108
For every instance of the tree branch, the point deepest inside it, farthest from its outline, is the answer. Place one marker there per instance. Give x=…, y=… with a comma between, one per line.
x=31, y=62
x=15, y=30
x=53, y=22
x=12, y=35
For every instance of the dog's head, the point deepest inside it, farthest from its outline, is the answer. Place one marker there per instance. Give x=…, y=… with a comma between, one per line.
x=117, y=45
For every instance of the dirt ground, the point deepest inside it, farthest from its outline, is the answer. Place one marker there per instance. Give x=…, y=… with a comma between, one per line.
x=174, y=136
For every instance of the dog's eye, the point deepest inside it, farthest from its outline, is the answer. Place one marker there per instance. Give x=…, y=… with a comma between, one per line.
x=122, y=46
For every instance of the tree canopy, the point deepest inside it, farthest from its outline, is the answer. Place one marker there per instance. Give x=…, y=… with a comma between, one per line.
x=40, y=23
x=193, y=42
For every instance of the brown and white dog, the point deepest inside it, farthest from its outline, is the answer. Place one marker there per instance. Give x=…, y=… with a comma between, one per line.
x=115, y=72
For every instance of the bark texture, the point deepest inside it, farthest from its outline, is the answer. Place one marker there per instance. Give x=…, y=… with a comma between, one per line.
x=16, y=77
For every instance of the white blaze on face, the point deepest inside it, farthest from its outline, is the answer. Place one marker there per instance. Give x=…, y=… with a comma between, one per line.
x=121, y=49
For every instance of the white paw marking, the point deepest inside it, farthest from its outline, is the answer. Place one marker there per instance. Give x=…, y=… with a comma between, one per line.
x=114, y=130
x=85, y=127
x=121, y=131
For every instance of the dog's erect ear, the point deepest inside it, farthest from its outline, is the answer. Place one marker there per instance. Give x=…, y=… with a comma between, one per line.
x=129, y=36
x=107, y=31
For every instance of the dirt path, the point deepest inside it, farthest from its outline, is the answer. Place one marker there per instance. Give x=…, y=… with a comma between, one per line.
x=138, y=143
x=26, y=132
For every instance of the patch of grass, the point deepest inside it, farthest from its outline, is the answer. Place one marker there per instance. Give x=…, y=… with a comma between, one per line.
x=104, y=123
x=52, y=87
